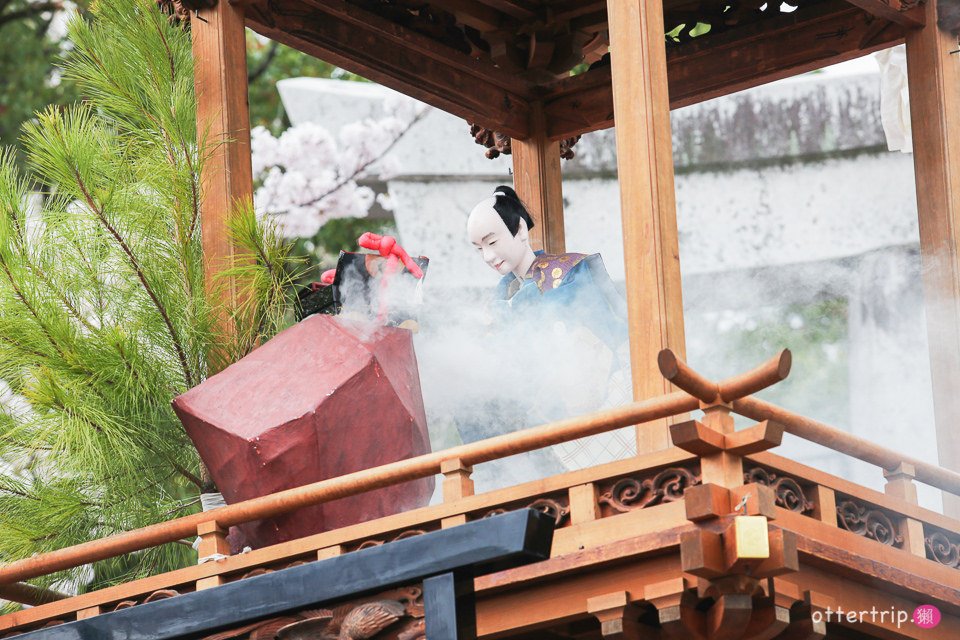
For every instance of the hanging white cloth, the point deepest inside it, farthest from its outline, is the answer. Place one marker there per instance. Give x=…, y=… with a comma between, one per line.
x=895, y=98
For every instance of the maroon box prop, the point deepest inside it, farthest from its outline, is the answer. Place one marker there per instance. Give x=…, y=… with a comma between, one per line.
x=319, y=400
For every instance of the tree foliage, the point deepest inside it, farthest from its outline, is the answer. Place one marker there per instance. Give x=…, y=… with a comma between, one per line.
x=104, y=318
x=28, y=80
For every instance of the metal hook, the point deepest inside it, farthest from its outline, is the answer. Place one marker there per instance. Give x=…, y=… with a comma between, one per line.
x=743, y=503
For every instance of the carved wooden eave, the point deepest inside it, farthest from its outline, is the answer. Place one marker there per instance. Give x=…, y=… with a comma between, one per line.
x=488, y=60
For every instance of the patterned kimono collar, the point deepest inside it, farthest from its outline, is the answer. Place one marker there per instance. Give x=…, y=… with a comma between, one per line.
x=547, y=271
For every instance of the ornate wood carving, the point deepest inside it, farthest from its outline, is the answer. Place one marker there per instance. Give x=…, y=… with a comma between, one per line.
x=943, y=548
x=789, y=493
x=869, y=522
x=629, y=494
x=365, y=40
x=259, y=571
x=558, y=509
x=497, y=143
x=566, y=147
x=494, y=141
x=685, y=21
x=160, y=594
x=401, y=536
x=397, y=614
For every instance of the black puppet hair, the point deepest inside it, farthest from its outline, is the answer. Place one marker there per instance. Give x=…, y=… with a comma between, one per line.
x=510, y=209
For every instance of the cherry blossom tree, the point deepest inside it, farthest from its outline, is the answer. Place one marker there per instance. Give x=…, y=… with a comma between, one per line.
x=307, y=176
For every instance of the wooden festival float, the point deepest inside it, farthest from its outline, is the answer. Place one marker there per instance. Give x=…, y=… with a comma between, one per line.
x=704, y=535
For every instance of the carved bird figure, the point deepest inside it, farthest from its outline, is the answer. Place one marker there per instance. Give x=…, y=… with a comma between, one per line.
x=361, y=622
x=309, y=629
x=272, y=628
x=418, y=631
x=367, y=620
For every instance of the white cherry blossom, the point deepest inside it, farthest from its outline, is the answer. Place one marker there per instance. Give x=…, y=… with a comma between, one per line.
x=307, y=176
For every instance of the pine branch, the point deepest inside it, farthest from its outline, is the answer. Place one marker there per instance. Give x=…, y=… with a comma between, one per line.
x=56, y=292
x=120, y=90
x=33, y=312
x=186, y=474
x=20, y=347
x=24, y=255
x=82, y=256
x=166, y=46
x=195, y=208
x=180, y=509
x=138, y=269
x=195, y=196
x=6, y=488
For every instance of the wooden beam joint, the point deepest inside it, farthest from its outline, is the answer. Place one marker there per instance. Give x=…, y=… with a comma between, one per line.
x=618, y=616
x=747, y=546
x=697, y=438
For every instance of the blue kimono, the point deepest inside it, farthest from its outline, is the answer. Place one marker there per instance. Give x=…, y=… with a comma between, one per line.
x=573, y=287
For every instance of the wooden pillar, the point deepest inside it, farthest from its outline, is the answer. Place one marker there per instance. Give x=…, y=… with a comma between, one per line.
x=213, y=544
x=223, y=124
x=934, y=82
x=457, y=484
x=537, y=180
x=900, y=484
x=648, y=208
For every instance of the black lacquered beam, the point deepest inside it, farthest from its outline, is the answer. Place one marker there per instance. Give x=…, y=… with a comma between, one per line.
x=462, y=552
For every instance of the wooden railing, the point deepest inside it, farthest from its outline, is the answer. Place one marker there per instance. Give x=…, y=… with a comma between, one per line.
x=716, y=399
x=849, y=444
x=736, y=391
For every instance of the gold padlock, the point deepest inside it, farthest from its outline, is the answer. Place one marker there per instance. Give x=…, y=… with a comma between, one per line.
x=750, y=540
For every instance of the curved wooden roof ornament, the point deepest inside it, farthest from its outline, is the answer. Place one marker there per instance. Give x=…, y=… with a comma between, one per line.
x=494, y=141
x=497, y=143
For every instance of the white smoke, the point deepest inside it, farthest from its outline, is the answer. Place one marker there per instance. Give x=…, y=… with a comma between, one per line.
x=487, y=369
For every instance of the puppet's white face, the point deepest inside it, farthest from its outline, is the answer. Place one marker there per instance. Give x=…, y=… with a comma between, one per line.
x=503, y=251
